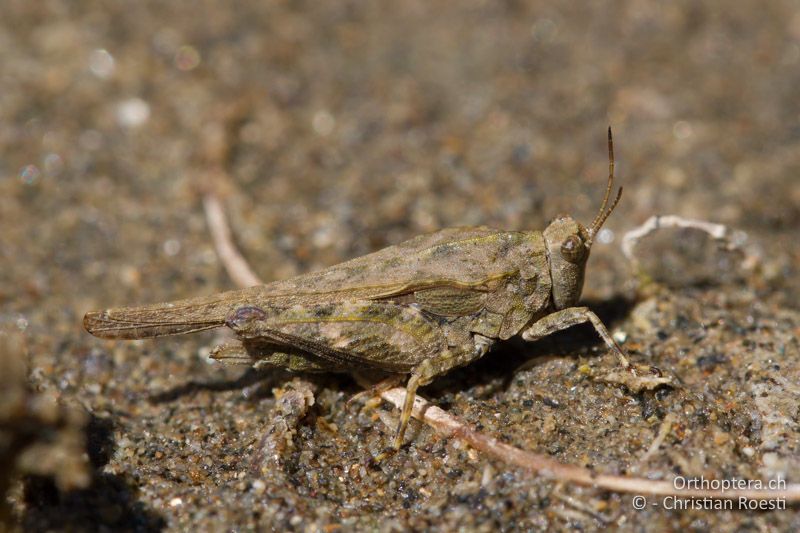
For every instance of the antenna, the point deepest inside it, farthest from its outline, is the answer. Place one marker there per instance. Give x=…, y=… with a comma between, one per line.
x=602, y=215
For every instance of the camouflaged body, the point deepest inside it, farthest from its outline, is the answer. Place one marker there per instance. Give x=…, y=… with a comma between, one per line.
x=390, y=310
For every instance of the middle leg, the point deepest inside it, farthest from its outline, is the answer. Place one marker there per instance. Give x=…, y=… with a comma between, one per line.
x=424, y=373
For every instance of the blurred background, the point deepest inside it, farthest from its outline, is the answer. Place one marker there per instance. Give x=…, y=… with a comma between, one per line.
x=329, y=130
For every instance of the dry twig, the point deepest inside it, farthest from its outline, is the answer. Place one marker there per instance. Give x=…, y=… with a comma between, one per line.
x=663, y=431
x=631, y=238
x=731, y=239
x=449, y=426
x=236, y=265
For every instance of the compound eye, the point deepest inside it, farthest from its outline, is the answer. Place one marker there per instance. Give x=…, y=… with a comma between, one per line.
x=572, y=249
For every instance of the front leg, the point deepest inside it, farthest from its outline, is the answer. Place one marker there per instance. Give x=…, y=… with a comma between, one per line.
x=635, y=378
x=572, y=316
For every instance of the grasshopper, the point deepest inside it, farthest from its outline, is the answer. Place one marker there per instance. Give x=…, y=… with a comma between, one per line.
x=419, y=308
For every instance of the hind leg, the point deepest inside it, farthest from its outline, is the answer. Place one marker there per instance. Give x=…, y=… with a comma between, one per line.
x=260, y=355
x=375, y=390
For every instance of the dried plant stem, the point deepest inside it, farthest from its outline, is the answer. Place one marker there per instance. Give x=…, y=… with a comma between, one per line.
x=631, y=238
x=663, y=431
x=236, y=265
x=579, y=505
x=449, y=426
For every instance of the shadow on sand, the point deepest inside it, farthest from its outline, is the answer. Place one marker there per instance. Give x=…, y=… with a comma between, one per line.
x=109, y=503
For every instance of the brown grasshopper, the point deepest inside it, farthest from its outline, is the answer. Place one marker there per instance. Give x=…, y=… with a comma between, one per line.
x=420, y=308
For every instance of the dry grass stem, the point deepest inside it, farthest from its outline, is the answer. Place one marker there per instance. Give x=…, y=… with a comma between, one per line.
x=236, y=265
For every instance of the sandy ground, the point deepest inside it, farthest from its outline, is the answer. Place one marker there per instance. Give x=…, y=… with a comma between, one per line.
x=331, y=129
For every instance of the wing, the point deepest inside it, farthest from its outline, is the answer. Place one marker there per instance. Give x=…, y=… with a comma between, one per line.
x=446, y=272
x=350, y=335
x=156, y=320
x=461, y=258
